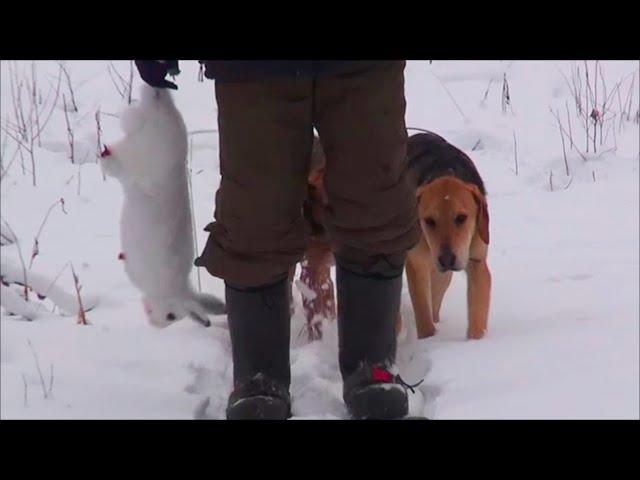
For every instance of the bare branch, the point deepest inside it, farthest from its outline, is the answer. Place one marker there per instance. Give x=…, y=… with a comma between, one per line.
x=36, y=243
x=99, y=144
x=24, y=268
x=515, y=150
x=630, y=98
x=56, y=92
x=51, y=380
x=586, y=98
x=564, y=151
x=113, y=80
x=193, y=217
x=450, y=96
x=24, y=381
x=567, y=185
x=79, y=178
x=69, y=86
x=506, y=98
x=130, y=84
x=82, y=318
x=486, y=93
x=34, y=99
x=69, y=130
x=35, y=356
x=569, y=123
x=564, y=131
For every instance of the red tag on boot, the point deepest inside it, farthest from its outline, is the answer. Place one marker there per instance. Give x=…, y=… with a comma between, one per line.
x=380, y=375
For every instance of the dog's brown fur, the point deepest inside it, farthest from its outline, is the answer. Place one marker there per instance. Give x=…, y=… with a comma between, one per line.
x=454, y=219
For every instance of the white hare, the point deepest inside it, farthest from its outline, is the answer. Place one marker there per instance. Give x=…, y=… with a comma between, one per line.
x=155, y=226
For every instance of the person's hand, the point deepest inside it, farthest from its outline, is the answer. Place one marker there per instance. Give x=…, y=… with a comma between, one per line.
x=153, y=72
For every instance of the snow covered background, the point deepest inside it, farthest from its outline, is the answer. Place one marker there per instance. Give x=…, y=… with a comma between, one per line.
x=563, y=329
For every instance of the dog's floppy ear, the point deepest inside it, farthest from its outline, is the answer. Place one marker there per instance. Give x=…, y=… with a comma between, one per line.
x=421, y=189
x=483, y=213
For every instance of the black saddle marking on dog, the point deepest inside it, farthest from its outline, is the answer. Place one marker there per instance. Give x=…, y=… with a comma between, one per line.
x=429, y=156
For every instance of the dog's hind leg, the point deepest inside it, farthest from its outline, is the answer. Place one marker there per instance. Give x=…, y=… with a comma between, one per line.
x=439, y=284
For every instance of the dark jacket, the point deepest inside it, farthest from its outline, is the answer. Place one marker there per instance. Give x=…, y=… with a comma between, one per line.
x=251, y=70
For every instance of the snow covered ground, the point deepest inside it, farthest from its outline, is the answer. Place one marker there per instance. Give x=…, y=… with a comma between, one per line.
x=563, y=337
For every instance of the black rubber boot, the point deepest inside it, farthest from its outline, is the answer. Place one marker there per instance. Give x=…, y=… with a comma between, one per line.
x=368, y=304
x=259, y=324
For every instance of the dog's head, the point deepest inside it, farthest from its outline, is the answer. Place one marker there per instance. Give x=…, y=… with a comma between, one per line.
x=451, y=212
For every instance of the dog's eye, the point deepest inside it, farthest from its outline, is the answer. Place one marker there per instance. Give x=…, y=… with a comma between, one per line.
x=171, y=316
x=430, y=222
x=460, y=219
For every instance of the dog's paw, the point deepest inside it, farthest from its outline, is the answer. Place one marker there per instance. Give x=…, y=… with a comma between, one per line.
x=426, y=332
x=475, y=334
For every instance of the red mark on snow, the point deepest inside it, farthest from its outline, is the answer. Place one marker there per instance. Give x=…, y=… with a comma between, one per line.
x=106, y=152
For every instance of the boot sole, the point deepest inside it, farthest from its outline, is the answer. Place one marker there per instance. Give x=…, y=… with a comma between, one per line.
x=378, y=402
x=260, y=407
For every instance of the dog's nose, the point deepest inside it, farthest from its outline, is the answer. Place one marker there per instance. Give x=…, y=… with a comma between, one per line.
x=447, y=259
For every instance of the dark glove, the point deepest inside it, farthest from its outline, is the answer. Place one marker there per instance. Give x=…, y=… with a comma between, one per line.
x=154, y=71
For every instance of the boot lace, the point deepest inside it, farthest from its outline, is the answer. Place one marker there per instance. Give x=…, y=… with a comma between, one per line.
x=384, y=376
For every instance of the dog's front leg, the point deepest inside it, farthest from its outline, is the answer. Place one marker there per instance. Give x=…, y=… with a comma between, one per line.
x=439, y=284
x=419, y=279
x=478, y=297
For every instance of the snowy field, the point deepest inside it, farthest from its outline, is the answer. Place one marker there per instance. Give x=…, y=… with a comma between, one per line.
x=563, y=328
